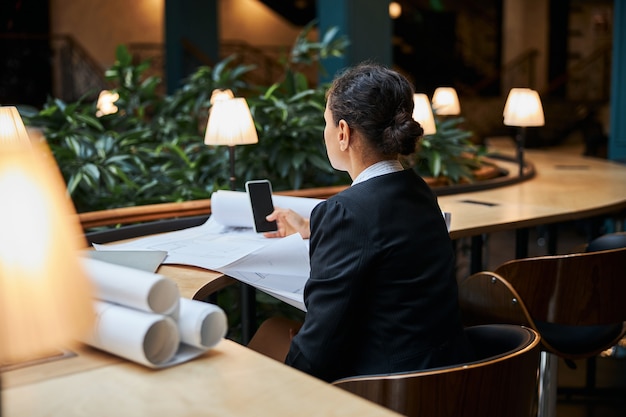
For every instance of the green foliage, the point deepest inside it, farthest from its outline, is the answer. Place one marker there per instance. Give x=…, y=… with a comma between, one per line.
x=289, y=117
x=152, y=149
x=448, y=153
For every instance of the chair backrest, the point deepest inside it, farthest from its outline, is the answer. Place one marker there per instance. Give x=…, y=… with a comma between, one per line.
x=486, y=298
x=582, y=289
x=501, y=383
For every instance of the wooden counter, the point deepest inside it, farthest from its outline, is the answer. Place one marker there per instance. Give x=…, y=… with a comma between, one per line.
x=229, y=380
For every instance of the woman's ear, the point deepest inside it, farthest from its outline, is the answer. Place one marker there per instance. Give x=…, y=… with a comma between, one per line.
x=344, y=135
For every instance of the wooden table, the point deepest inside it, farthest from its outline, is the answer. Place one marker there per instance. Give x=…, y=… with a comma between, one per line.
x=229, y=380
x=565, y=187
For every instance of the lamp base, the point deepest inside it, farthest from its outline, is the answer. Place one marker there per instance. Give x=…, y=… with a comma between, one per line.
x=520, y=139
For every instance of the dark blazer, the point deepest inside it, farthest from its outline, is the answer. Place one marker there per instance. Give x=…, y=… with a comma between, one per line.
x=382, y=294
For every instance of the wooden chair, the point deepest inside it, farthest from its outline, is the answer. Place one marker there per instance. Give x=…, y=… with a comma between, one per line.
x=502, y=382
x=575, y=302
x=607, y=241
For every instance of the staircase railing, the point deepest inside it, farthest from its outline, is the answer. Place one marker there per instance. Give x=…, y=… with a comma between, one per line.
x=520, y=71
x=265, y=59
x=74, y=72
x=77, y=72
x=589, y=79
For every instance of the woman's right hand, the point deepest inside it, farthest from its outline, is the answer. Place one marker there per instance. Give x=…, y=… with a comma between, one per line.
x=289, y=222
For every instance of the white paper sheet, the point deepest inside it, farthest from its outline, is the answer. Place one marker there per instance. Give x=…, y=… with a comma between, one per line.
x=214, y=245
x=280, y=269
x=133, y=287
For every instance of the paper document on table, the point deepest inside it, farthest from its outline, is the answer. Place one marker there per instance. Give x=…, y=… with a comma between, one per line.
x=227, y=236
x=227, y=243
x=280, y=269
x=208, y=246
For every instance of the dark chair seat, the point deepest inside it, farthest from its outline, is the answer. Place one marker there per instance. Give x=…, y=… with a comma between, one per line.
x=578, y=340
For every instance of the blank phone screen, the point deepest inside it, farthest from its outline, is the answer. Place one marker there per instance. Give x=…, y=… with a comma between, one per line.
x=261, y=200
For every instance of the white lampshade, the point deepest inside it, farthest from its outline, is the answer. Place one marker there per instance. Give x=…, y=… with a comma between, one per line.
x=106, y=103
x=12, y=127
x=395, y=9
x=423, y=113
x=446, y=101
x=523, y=108
x=45, y=297
x=230, y=123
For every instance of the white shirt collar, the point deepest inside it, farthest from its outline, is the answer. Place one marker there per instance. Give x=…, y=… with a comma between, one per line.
x=379, y=168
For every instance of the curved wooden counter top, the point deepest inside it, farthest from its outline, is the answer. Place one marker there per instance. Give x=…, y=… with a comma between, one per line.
x=565, y=187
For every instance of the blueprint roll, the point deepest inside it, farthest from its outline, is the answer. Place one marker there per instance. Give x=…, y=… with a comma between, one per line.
x=133, y=288
x=232, y=208
x=146, y=338
x=201, y=324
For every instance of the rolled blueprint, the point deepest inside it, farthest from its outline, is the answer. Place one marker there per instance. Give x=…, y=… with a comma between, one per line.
x=132, y=287
x=146, y=338
x=232, y=208
x=200, y=324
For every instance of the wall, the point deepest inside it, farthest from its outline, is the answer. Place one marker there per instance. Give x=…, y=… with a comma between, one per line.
x=256, y=24
x=101, y=25
x=524, y=27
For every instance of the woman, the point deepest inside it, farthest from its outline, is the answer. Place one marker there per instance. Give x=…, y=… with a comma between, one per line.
x=382, y=294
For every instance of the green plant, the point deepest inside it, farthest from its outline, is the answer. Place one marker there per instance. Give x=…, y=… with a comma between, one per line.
x=150, y=151
x=448, y=154
x=290, y=122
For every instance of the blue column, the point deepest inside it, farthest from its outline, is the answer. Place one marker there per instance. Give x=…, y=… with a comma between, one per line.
x=367, y=25
x=617, y=134
x=191, y=38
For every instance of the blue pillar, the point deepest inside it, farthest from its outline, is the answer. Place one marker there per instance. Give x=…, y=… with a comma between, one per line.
x=617, y=134
x=366, y=23
x=191, y=38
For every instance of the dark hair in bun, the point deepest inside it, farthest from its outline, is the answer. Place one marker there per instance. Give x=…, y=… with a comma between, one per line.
x=378, y=102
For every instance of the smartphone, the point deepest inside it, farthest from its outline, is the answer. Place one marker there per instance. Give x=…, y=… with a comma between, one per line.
x=260, y=194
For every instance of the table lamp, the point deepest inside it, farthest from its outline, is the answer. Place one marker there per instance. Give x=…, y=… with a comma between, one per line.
x=106, y=103
x=523, y=109
x=446, y=102
x=230, y=123
x=423, y=113
x=12, y=128
x=45, y=297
